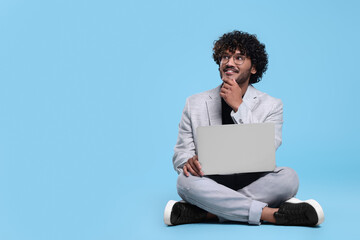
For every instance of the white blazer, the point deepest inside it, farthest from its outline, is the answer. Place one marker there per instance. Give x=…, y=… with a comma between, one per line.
x=204, y=109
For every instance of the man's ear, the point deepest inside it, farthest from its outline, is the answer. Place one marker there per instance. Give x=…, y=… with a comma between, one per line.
x=253, y=70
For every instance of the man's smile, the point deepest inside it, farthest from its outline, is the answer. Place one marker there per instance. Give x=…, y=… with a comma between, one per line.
x=230, y=71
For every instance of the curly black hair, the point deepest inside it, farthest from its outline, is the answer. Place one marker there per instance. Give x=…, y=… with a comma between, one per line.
x=248, y=45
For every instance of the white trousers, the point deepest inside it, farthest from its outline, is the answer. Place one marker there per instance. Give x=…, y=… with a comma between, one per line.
x=239, y=197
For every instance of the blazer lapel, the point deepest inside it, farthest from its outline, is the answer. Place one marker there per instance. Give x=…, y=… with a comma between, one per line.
x=213, y=104
x=251, y=98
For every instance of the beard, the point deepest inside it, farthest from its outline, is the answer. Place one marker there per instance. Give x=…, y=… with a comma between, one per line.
x=242, y=78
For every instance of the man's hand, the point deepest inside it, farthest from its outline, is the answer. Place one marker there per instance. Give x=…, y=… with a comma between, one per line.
x=193, y=166
x=231, y=93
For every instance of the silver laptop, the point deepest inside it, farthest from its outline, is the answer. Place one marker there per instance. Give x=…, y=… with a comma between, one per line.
x=236, y=148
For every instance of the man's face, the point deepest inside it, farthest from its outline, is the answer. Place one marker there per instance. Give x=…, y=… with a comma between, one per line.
x=236, y=66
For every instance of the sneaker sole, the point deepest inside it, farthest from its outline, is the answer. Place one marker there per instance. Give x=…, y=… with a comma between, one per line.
x=315, y=205
x=167, y=212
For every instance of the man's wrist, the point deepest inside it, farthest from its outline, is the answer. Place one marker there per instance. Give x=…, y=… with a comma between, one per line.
x=236, y=108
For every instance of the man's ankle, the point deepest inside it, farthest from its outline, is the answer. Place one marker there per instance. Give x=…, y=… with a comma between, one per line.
x=211, y=216
x=267, y=214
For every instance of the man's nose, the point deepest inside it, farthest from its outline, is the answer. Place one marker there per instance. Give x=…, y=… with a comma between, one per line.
x=231, y=62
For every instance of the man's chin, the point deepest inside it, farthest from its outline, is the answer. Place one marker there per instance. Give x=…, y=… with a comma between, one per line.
x=228, y=76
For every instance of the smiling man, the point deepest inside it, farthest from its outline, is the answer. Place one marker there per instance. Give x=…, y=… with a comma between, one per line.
x=249, y=197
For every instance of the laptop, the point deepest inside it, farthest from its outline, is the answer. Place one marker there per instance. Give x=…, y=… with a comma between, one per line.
x=236, y=148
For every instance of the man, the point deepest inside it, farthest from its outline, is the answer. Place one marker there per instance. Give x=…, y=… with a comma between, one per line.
x=251, y=197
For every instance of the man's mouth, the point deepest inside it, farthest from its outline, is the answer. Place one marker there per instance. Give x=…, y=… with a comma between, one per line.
x=230, y=70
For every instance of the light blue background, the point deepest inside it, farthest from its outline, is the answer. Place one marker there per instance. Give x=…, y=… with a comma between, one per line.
x=91, y=94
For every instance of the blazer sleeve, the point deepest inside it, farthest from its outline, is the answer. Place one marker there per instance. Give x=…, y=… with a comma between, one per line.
x=274, y=114
x=185, y=147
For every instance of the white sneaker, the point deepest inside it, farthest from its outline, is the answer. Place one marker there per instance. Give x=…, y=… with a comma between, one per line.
x=182, y=212
x=300, y=213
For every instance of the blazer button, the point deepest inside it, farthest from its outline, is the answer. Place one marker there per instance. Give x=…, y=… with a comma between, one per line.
x=241, y=121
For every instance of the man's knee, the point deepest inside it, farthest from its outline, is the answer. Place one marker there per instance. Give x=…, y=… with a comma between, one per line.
x=290, y=179
x=187, y=186
x=184, y=182
x=193, y=183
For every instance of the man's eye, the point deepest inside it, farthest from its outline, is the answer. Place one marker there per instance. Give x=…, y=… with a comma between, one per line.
x=225, y=57
x=239, y=58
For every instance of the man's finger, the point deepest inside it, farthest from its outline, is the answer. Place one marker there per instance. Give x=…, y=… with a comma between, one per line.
x=192, y=171
x=199, y=168
x=229, y=81
x=223, y=90
x=226, y=86
x=194, y=166
x=185, y=171
x=223, y=95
